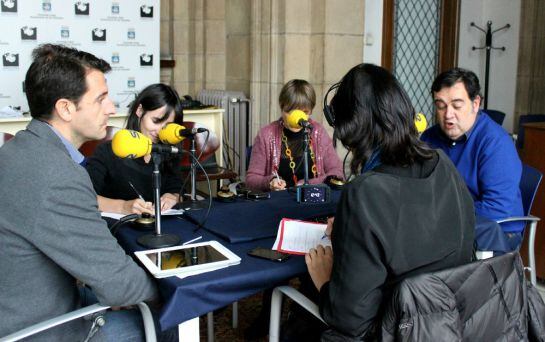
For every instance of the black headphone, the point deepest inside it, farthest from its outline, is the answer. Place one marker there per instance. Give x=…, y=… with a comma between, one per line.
x=328, y=110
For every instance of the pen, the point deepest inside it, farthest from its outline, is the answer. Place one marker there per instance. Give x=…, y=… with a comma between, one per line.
x=325, y=236
x=192, y=240
x=276, y=175
x=137, y=193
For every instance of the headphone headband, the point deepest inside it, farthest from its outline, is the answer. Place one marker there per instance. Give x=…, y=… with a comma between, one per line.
x=328, y=110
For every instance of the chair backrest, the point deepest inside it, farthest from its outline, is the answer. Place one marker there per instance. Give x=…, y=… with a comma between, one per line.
x=529, y=183
x=88, y=147
x=527, y=119
x=4, y=137
x=248, y=156
x=496, y=115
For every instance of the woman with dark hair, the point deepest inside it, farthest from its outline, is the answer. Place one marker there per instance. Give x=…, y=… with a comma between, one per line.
x=119, y=182
x=406, y=212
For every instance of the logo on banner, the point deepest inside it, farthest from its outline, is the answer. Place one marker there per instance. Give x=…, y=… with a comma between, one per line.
x=146, y=59
x=8, y=6
x=131, y=34
x=115, y=8
x=81, y=8
x=99, y=35
x=10, y=59
x=65, y=32
x=46, y=5
x=146, y=11
x=115, y=57
x=131, y=83
x=29, y=33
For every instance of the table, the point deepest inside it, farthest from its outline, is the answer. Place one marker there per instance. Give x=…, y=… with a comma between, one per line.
x=189, y=298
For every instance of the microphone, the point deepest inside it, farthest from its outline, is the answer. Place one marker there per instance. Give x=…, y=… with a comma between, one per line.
x=420, y=122
x=298, y=119
x=132, y=144
x=173, y=133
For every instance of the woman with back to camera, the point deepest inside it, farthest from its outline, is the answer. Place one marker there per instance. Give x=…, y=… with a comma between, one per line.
x=277, y=152
x=114, y=178
x=406, y=212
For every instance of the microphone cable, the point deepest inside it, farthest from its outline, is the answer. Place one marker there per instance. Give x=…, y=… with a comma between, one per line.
x=115, y=227
x=189, y=173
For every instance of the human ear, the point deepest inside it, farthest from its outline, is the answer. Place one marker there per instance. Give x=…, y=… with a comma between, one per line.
x=64, y=109
x=139, y=111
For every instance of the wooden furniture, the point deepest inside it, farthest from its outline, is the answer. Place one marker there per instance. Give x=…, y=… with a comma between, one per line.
x=533, y=154
x=211, y=118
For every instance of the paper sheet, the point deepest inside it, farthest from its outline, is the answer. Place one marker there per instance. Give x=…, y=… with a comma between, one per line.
x=169, y=212
x=298, y=237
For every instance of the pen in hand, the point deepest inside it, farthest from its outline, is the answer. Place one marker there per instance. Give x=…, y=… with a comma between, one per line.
x=137, y=193
x=276, y=175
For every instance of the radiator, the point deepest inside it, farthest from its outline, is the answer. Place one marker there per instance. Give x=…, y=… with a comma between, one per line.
x=236, y=126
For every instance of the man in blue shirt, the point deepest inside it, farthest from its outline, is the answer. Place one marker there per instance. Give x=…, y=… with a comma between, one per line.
x=482, y=151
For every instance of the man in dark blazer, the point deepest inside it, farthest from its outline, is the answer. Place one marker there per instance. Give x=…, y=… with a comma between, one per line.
x=51, y=232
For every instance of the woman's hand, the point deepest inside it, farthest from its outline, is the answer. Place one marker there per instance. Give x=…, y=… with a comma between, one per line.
x=329, y=228
x=277, y=184
x=138, y=206
x=319, y=262
x=168, y=200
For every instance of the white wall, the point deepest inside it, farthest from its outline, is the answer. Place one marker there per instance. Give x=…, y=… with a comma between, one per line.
x=372, y=47
x=503, y=64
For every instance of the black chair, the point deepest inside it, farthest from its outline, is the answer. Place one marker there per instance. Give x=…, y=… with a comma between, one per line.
x=523, y=119
x=495, y=115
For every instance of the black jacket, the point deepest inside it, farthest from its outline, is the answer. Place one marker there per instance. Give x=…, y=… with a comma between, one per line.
x=393, y=223
x=488, y=300
x=482, y=301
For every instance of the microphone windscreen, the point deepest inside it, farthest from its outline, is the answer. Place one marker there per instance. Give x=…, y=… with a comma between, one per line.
x=170, y=134
x=420, y=122
x=131, y=144
x=294, y=117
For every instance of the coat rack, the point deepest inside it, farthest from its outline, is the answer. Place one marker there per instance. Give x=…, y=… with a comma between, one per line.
x=488, y=46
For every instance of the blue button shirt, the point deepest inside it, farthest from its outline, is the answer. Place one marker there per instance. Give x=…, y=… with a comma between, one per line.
x=489, y=164
x=74, y=153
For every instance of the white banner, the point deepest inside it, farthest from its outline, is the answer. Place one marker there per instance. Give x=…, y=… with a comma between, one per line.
x=125, y=33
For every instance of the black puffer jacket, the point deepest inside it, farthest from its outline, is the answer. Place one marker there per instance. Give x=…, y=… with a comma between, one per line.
x=487, y=300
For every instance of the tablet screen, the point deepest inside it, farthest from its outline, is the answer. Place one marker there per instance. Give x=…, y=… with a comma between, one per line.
x=180, y=258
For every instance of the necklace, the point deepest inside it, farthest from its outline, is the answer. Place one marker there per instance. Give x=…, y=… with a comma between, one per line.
x=292, y=162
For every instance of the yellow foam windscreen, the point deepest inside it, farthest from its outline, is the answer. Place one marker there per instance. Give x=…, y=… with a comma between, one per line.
x=420, y=122
x=294, y=117
x=170, y=134
x=131, y=144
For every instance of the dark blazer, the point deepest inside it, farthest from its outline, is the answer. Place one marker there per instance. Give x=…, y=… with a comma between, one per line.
x=51, y=234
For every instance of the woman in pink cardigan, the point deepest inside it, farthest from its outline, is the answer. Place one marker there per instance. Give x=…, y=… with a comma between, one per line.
x=278, y=149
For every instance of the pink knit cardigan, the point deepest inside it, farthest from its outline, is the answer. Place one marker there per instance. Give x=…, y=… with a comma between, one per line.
x=266, y=156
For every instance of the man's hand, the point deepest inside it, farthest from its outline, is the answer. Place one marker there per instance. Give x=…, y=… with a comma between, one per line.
x=319, y=262
x=168, y=200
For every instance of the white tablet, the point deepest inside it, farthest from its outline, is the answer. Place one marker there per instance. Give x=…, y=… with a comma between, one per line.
x=188, y=259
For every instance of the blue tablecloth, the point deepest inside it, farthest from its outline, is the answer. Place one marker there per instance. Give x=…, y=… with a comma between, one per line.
x=245, y=220
x=197, y=295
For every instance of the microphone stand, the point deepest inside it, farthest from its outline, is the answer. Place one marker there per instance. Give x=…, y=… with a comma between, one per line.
x=193, y=203
x=158, y=239
x=305, y=154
